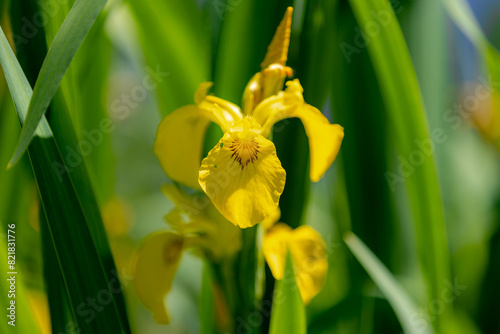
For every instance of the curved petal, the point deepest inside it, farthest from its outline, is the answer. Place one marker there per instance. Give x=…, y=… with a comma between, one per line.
x=308, y=251
x=274, y=247
x=224, y=110
x=324, y=138
x=264, y=84
x=203, y=227
x=180, y=135
x=243, y=176
x=155, y=265
x=272, y=219
x=179, y=144
x=252, y=95
x=310, y=263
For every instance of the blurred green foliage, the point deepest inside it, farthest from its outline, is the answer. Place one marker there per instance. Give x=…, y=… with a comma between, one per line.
x=416, y=181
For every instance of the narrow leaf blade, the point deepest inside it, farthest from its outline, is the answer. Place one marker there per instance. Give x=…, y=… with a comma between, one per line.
x=78, y=258
x=65, y=44
x=401, y=303
x=288, y=313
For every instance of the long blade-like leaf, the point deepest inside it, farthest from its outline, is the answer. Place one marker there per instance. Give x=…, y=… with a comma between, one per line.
x=288, y=314
x=81, y=266
x=31, y=56
x=406, y=116
x=65, y=44
x=401, y=302
x=60, y=312
x=206, y=304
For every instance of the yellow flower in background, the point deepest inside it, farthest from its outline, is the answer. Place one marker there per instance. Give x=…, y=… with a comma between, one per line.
x=486, y=118
x=196, y=225
x=308, y=254
x=155, y=265
x=242, y=174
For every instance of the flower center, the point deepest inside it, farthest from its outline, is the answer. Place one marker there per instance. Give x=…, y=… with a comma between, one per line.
x=244, y=151
x=172, y=251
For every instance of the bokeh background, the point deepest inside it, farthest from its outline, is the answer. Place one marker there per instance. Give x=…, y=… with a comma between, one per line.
x=181, y=43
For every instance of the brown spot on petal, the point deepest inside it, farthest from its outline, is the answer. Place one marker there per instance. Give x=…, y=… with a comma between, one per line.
x=172, y=251
x=244, y=151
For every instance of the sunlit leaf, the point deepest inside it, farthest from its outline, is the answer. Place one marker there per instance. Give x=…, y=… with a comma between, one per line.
x=80, y=263
x=401, y=302
x=63, y=48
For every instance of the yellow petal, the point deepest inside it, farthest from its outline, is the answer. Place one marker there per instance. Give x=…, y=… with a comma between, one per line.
x=324, y=138
x=155, y=265
x=116, y=216
x=309, y=258
x=242, y=175
x=274, y=247
x=308, y=251
x=252, y=95
x=277, y=51
x=205, y=229
x=187, y=203
x=264, y=84
x=180, y=135
x=179, y=144
x=208, y=233
x=272, y=219
x=225, y=111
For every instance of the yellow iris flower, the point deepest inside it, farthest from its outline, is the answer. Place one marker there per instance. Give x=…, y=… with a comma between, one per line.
x=242, y=174
x=308, y=254
x=196, y=225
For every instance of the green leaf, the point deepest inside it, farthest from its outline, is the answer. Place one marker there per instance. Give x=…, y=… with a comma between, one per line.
x=63, y=48
x=80, y=263
x=406, y=116
x=207, y=303
x=314, y=65
x=61, y=314
x=401, y=302
x=91, y=81
x=246, y=265
x=83, y=89
x=31, y=56
x=368, y=194
x=288, y=315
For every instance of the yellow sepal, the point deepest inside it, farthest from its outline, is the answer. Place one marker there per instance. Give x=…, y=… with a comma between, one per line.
x=154, y=267
x=324, y=138
x=206, y=231
x=180, y=135
x=308, y=252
